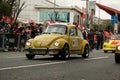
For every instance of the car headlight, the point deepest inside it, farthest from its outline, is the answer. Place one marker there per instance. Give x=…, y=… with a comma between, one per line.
x=118, y=47
x=28, y=43
x=56, y=43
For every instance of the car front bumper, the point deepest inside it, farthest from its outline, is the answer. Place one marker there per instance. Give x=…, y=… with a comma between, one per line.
x=43, y=51
x=109, y=48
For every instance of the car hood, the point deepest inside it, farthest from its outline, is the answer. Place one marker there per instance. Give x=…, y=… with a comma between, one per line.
x=45, y=40
x=114, y=42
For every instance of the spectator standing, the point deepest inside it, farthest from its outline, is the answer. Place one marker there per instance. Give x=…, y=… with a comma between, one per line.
x=91, y=39
x=41, y=28
x=27, y=31
x=33, y=30
x=85, y=34
x=101, y=40
x=98, y=35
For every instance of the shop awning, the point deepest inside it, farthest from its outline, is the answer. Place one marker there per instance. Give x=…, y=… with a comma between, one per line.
x=109, y=10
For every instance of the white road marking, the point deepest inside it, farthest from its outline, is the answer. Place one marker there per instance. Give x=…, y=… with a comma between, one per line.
x=11, y=57
x=16, y=57
x=34, y=65
x=97, y=58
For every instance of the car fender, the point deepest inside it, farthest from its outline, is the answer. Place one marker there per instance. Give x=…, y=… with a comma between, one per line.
x=62, y=42
x=84, y=44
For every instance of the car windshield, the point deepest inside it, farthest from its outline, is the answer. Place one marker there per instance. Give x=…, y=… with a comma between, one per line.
x=115, y=37
x=57, y=29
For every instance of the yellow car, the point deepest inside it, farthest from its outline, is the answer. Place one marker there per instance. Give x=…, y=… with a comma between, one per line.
x=58, y=40
x=110, y=44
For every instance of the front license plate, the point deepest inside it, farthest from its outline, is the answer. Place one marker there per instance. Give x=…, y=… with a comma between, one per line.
x=41, y=52
x=51, y=53
x=37, y=52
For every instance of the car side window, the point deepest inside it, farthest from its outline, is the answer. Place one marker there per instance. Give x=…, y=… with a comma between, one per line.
x=73, y=32
x=80, y=33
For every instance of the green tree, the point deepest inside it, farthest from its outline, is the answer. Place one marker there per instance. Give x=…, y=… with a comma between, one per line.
x=11, y=8
x=4, y=9
x=103, y=26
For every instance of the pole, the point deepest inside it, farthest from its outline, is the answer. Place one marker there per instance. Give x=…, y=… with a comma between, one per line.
x=99, y=15
x=116, y=24
x=87, y=15
x=54, y=10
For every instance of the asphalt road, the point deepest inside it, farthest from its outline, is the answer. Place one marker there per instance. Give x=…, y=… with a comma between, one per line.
x=99, y=66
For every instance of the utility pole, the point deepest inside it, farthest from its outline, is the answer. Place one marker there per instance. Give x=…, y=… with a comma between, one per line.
x=116, y=23
x=87, y=14
x=54, y=10
x=99, y=14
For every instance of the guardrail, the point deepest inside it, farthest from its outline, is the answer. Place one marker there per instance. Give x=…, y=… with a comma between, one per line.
x=15, y=42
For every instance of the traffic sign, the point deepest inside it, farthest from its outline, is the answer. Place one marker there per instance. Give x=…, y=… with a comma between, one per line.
x=114, y=19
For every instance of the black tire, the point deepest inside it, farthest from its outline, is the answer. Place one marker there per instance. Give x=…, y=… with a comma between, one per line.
x=105, y=51
x=113, y=51
x=65, y=53
x=117, y=58
x=86, y=52
x=30, y=56
x=56, y=56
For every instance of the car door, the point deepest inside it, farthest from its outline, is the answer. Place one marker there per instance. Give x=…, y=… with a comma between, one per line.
x=80, y=38
x=74, y=39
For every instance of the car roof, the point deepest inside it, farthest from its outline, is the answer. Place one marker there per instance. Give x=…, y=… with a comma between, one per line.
x=65, y=24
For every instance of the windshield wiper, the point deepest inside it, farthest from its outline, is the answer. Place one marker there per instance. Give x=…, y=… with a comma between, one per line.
x=45, y=33
x=57, y=32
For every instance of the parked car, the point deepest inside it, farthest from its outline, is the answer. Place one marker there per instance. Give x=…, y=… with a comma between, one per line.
x=117, y=53
x=58, y=40
x=110, y=43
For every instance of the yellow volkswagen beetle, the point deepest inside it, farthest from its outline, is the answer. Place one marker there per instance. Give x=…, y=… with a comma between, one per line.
x=110, y=44
x=58, y=40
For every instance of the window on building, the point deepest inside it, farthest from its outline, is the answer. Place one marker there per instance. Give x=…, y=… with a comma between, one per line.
x=55, y=16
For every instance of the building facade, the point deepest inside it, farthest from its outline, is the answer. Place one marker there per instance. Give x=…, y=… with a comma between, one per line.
x=42, y=10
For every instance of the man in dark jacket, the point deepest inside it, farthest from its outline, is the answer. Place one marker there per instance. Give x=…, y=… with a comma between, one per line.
x=85, y=34
x=91, y=39
x=33, y=30
x=98, y=39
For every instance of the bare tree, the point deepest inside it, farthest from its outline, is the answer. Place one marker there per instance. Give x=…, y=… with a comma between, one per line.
x=17, y=9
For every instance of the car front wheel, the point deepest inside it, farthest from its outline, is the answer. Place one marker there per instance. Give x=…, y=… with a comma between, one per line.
x=105, y=51
x=56, y=56
x=117, y=58
x=30, y=56
x=86, y=52
x=65, y=53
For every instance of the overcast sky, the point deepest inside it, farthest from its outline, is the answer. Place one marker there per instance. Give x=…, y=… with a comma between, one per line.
x=81, y=3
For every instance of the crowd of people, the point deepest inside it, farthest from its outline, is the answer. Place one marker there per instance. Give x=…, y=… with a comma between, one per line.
x=30, y=30
x=96, y=38
x=20, y=28
x=25, y=31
